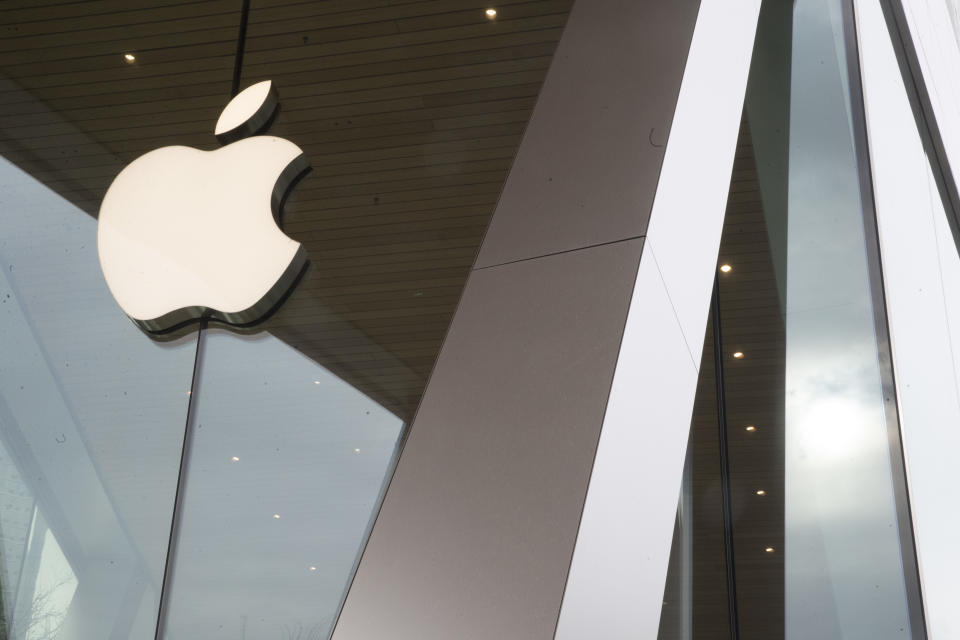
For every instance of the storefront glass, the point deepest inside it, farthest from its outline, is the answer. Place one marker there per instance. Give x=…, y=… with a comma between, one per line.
x=820, y=543
x=258, y=456
x=92, y=414
x=286, y=467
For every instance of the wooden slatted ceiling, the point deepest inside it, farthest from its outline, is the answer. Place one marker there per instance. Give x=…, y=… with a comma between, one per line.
x=409, y=111
x=73, y=112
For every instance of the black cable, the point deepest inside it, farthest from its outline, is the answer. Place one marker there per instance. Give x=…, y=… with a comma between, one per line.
x=241, y=45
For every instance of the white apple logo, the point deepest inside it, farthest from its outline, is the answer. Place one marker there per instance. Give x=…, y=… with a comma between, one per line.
x=185, y=234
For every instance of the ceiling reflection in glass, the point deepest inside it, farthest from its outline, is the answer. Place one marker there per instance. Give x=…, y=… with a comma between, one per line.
x=287, y=467
x=821, y=541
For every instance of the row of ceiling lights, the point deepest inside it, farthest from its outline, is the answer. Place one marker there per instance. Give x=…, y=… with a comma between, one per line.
x=738, y=355
x=490, y=13
x=276, y=516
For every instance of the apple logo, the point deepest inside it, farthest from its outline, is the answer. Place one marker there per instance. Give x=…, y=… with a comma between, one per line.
x=186, y=234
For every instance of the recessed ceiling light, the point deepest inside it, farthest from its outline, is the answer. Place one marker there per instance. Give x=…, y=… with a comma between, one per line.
x=276, y=516
x=726, y=268
x=313, y=568
x=316, y=382
x=750, y=427
x=738, y=354
x=769, y=549
x=491, y=13
x=235, y=459
x=356, y=450
x=130, y=58
x=761, y=492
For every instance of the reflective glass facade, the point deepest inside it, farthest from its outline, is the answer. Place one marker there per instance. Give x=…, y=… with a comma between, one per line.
x=808, y=478
x=92, y=426
x=470, y=413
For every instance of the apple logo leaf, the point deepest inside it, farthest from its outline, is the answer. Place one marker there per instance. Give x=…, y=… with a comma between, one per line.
x=248, y=113
x=185, y=234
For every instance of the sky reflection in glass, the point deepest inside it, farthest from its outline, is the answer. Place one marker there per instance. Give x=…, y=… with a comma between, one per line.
x=287, y=467
x=844, y=577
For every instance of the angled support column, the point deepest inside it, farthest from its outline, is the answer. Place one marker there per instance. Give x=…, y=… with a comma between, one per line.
x=921, y=277
x=616, y=582
x=478, y=527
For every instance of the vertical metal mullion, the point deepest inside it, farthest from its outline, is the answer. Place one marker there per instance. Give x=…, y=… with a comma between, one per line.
x=908, y=551
x=725, y=488
x=176, y=518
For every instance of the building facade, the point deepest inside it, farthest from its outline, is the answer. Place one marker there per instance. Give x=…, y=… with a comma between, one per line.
x=594, y=319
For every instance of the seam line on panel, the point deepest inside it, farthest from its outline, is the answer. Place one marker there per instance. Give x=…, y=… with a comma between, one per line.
x=596, y=446
x=523, y=136
x=676, y=316
x=558, y=253
x=646, y=245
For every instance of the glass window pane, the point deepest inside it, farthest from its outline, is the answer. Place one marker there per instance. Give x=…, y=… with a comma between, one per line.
x=821, y=541
x=92, y=414
x=844, y=570
x=287, y=466
x=695, y=603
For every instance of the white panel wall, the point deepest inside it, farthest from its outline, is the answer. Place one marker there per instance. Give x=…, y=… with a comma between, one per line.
x=619, y=568
x=922, y=283
x=938, y=51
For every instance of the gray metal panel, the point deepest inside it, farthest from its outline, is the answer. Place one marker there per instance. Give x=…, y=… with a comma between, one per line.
x=588, y=166
x=476, y=533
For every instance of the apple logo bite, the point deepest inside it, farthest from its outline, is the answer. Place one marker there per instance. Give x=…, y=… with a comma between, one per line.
x=185, y=234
